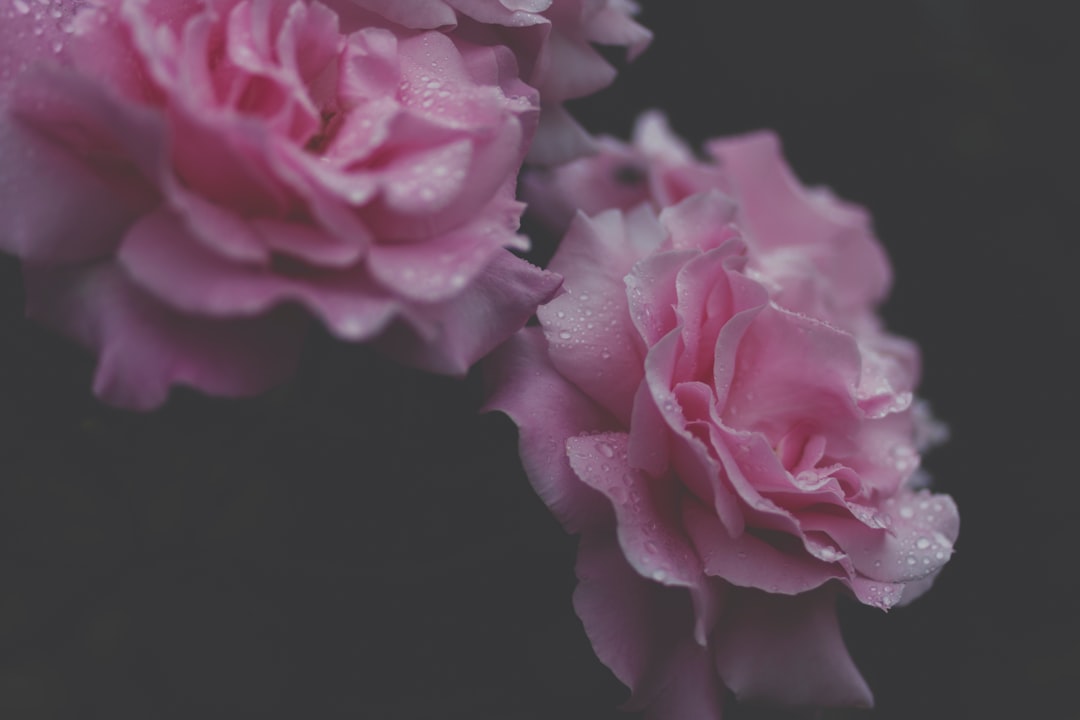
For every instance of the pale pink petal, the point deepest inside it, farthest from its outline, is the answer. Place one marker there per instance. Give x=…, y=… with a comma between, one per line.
x=789, y=368
x=511, y=13
x=917, y=541
x=777, y=211
x=589, y=333
x=651, y=291
x=654, y=139
x=613, y=25
x=703, y=222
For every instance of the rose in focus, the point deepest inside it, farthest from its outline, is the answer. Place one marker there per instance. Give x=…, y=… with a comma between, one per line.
x=188, y=182
x=713, y=405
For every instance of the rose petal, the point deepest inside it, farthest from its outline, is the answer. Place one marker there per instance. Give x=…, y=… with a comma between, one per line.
x=639, y=629
x=792, y=369
x=144, y=348
x=748, y=561
x=588, y=329
x=164, y=259
x=777, y=211
x=450, y=335
x=918, y=540
x=787, y=650
x=547, y=410
x=645, y=510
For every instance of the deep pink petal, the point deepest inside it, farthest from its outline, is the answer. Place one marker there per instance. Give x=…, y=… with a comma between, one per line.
x=89, y=149
x=645, y=510
x=611, y=179
x=547, y=410
x=416, y=14
x=690, y=456
x=559, y=138
x=164, y=259
x=449, y=336
x=787, y=650
x=145, y=348
x=641, y=631
x=445, y=264
x=749, y=561
x=31, y=34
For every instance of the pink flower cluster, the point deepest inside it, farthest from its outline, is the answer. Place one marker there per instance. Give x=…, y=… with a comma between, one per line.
x=187, y=182
x=713, y=405
x=711, y=401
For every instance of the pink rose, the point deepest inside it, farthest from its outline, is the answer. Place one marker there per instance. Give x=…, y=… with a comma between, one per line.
x=185, y=178
x=816, y=253
x=731, y=434
x=553, y=42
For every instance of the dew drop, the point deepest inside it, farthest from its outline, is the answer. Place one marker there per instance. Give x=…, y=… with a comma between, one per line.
x=605, y=449
x=922, y=543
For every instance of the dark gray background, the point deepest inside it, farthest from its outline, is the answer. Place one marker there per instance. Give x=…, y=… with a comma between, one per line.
x=360, y=543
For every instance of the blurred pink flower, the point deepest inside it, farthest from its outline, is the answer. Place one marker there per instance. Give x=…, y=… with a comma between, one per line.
x=712, y=405
x=180, y=177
